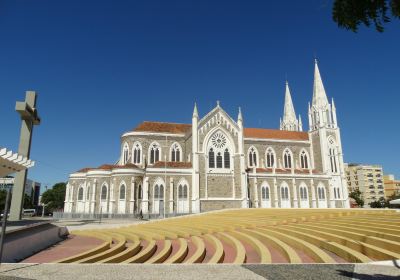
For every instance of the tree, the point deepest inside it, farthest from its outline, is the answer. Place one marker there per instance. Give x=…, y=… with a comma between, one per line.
x=54, y=197
x=356, y=195
x=349, y=14
x=381, y=203
x=27, y=200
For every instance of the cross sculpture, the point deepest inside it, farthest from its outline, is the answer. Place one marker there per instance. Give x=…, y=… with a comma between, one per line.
x=29, y=118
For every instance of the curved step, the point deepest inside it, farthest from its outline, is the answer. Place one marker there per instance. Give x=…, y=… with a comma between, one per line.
x=101, y=248
x=200, y=253
x=343, y=247
x=163, y=254
x=261, y=249
x=180, y=255
x=288, y=252
x=313, y=251
x=240, y=257
x=144, y=254
x=218, y=256
x=119, y=247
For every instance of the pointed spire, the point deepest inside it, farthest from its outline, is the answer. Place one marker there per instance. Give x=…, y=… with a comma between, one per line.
x=300, y=124
x=240, y=117
x=333, y=105
x=319, y=95
x=195, y=112
x=289, y=121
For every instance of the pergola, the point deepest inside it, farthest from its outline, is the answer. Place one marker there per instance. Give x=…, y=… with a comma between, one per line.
x=12, y=162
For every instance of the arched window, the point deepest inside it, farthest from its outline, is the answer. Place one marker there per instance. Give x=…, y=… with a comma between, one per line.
x=303, y=193
x=219, y=160
x=270, y=158
x=227, y=159
x=304, y=160
x=137, y=153
x=287, y=159
x=338, y=193
x=80, y=193
x=333, y=155
x=211, y=159
x=252, y=157
x=175, y=152
x=182, y=192
x=154, y=153
x=104, y=192
x=158, y=192
x=284, y=193
x=321, y=193
x=219, y=151
x=122, y=193
x=125, y=153
x=140, y=194
x=265, y=193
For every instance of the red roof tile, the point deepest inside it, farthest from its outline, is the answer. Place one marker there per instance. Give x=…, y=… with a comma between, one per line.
x=172, y=164
x=106, y=167
x=274, y=134
x=177, y=128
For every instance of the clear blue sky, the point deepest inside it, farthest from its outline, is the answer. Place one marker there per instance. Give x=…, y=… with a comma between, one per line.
x=101, y=67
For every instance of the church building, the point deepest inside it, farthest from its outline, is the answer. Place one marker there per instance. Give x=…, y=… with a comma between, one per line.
x=215, y=162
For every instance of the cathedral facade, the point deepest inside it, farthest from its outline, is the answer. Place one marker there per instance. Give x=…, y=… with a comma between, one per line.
x=216, y=163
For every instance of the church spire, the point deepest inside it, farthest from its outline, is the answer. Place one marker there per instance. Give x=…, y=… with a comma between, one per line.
x=289, y=121
x=319, y=99
x=195, y=112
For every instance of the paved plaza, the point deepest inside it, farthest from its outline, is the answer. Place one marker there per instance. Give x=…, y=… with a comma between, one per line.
x=201, y=272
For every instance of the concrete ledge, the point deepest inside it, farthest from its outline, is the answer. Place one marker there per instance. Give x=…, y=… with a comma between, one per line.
x=25, y=241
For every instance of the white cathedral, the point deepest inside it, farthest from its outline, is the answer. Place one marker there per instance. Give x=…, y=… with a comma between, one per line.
x=215, y=163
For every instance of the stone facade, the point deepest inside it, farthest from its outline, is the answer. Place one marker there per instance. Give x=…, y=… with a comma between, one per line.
x=215, y=163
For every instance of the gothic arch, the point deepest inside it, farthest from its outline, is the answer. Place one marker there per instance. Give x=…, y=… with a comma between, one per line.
x=253, y=159
x=304, y=159
x=175, y=152
x=270, y=157
x=125, y=153
x=137, y=153
x=287, y=157
x=154, y=153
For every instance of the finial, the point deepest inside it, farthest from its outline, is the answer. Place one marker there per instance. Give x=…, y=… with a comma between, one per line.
x=195, y=112
x=217, y=103
x=240, y=117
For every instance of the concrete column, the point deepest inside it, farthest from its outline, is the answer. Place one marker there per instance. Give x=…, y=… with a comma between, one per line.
x=171, y=195
x=66, y=200
x=331, y=196
x=255, y=193
x=295, y=200
x=29, y=118
x=132, y=198
x=72, y=202
x=276, y=195
x=93, y=202
x=313, y=198
x=145, y=200
x=112, y=196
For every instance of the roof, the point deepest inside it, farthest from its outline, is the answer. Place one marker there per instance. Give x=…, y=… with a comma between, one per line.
x=263, y=133
x=172, y=164
x=176, y=128
x=107, y=167
x=181, y=128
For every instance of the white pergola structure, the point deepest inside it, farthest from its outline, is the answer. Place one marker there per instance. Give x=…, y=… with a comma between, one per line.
x=12, y=162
